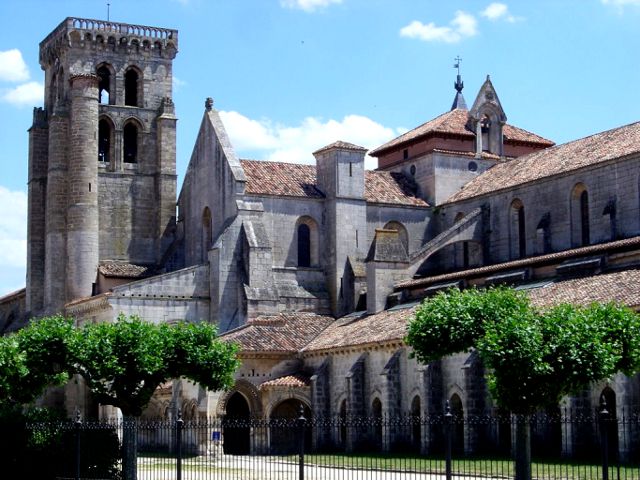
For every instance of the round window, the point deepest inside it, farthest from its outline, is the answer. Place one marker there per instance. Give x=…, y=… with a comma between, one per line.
x=473, y=166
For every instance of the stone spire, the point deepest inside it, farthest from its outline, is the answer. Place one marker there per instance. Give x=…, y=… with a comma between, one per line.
x=458, y=101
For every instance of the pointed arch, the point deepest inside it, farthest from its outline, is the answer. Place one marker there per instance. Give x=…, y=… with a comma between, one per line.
x=133, y=87
x=106, y=139
x=580, y=216
x=402, y=232
x=517, y=230
x=131, y=141
x=106, y=84
x=457, y=440
x=306, y=241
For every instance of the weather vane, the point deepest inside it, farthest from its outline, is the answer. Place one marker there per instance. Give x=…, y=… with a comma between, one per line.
x=457, y=64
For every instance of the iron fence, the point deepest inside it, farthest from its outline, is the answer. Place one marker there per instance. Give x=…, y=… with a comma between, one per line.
x=564, y=445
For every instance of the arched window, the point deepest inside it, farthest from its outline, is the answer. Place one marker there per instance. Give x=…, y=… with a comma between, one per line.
x=517, y=230
x=402, y=233
x=207, y=232
x=105, y=140
x=580, y=216
x=306, y=242
x=131, y=88
x=130, y=142
x=485, y=129
x=106, y=96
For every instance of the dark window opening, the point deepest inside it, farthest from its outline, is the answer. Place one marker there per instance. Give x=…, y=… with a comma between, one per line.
x=610, y=209
x=405, y=153
x=104, y=141
x=584, y=217
x=465, y=254
x=485, y=128
x=304, y=246
x=104, y=85
x=522, y=244
x=351, y=169
x=130, y=137
x=131, y=88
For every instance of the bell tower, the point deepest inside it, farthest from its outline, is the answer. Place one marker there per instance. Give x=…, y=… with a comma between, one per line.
x=102, y=174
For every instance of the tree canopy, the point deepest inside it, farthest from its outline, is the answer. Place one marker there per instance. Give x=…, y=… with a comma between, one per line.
x=533, y=356
x=122, y=362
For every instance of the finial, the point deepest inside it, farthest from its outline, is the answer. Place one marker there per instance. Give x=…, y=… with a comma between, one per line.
x=459, y=85
x=208, y=104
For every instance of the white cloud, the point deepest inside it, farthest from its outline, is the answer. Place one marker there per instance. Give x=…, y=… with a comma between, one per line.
x=462, y=26
x=308, y=5
x=178, y=83
x=13, y=229
x=266, y=140
x=499, y=11
x=26, y=94
x=12, y=66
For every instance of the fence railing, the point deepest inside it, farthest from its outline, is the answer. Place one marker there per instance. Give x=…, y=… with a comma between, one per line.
x=564, y=445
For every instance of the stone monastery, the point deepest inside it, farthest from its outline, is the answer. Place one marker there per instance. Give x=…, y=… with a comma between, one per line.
x=313, y=270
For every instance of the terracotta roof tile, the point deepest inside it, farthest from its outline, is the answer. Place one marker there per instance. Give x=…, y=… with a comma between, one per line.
x=620, y=287
x=342, y=146
x=560, y=159
x=291, y=179
x=523, y=262
x=353, y=331
x=280, y=178
x=391, y=325
x=125, y=270
x=454, y=122
x=297, y=380
x=283, y=333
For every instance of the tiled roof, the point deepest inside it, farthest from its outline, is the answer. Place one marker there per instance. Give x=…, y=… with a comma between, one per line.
x=297, y=380
x=391, y=325
x=342, y=146
x=125, y=270
x=620, y=287
x=523, y=262
x=353, y=331
x=291, y=179
x=392, y=188
x=568, y=157
x=455, y=123
x=280, y=178
x=283, y=333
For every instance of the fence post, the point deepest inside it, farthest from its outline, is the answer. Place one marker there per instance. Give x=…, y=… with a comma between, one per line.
x=77, y=424
x=604, y=434
x=448, y=418
x=301, y=427
x=179, y=426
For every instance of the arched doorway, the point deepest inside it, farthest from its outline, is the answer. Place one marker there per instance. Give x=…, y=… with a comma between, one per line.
x=612, y=422
x=378, y=430
x=457, y=432
x=416, y=424
x=284, y=433
x=235, y=426
x=342, y=425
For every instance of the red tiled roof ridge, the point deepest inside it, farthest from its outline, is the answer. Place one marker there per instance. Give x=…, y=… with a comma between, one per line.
x=523, y=262
x=547, y=163
x=342, y=145
x=292, y=380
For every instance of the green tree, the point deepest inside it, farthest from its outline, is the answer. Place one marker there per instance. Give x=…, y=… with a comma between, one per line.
x=33, y=359
x=533, y=357
x=125, y=361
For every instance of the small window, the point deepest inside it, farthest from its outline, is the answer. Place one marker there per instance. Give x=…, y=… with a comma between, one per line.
x=405, y=153
x=130, y=140
x=104, y=85
x=304, y=245
x=584, y=217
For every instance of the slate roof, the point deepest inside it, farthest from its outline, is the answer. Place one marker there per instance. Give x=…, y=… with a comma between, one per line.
x=524, y=262
x=592, y=150
x=454, y=123
x=282, y=333
x=297, y=380
x=296, y=180
x=125, y=270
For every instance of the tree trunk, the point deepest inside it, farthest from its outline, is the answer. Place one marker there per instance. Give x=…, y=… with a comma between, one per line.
x=523, y=447
x=129, y=448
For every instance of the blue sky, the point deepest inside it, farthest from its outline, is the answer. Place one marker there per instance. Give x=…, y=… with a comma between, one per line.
x=290, y=76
